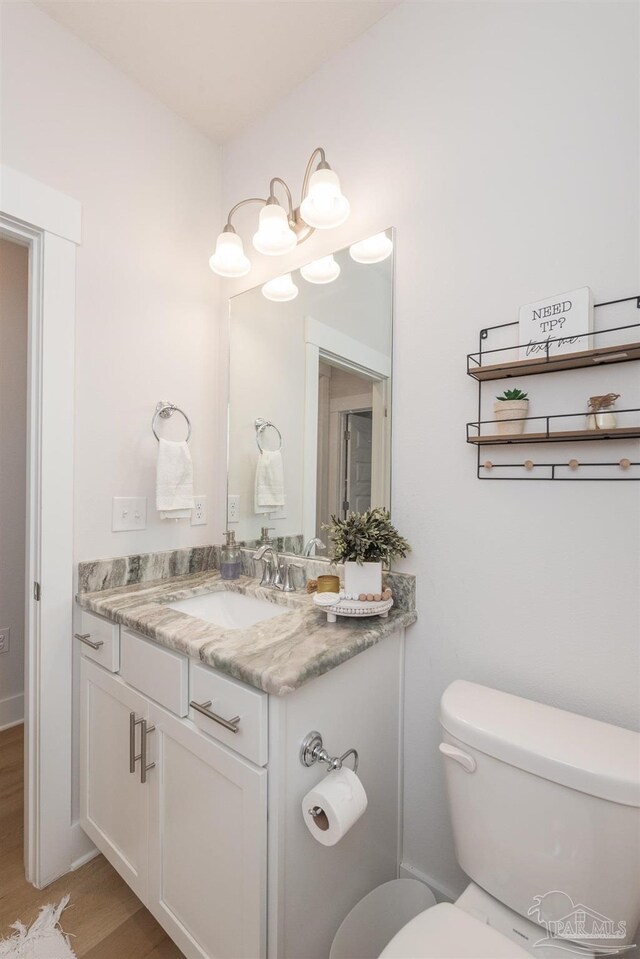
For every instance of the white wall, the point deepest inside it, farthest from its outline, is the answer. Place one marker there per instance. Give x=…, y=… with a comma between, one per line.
x=501, y=139
x=146, y=298
x=14, y=277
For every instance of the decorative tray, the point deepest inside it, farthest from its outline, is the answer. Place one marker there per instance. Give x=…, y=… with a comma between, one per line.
x=355, y=607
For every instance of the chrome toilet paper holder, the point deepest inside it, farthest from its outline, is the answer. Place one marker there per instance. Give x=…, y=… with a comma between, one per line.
x=312, y=751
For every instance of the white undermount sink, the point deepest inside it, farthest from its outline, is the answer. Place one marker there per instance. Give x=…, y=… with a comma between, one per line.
x=227, y=609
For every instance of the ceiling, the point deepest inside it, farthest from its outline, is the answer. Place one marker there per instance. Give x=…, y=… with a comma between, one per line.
x=217, y=63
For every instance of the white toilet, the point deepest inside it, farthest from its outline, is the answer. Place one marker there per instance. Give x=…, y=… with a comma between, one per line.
x=545, y=806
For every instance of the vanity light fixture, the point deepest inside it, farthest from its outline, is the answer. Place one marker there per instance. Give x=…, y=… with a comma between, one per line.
x=322, y=207
x=324, y=270
x=281, y=289
x=374, y=249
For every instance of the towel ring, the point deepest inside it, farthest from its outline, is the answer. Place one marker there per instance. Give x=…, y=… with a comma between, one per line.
x=166, y=410
x=261, y=425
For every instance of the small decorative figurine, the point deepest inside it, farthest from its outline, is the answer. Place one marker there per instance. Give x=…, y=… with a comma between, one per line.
x=598, y=419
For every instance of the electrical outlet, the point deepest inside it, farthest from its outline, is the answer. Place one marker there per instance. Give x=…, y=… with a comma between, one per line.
x=233, y=509
x=199, y=511
x=5, y=634
x=129, y=512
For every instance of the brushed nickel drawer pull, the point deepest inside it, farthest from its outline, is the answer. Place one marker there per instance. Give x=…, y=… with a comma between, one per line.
x=230, y=724
x=84, y=638
x=144, y=765
x=133, y=759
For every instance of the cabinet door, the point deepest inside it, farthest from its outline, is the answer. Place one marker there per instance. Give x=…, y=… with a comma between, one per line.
x=207, y=851
x=113, y=800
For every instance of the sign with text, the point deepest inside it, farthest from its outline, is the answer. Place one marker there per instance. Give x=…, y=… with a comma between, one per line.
x=557, y=324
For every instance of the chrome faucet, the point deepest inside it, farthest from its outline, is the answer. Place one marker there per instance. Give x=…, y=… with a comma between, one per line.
x=271, y=571
x=308, y=550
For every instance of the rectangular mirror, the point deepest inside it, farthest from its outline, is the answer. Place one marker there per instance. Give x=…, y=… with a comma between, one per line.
x=310, y=398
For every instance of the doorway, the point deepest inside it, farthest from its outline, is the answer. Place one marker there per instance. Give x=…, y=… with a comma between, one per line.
x=357, y=459
x=346, y=459
x=46, y=224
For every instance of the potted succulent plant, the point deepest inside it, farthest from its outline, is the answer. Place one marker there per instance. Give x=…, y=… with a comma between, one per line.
x=510, y=410
x=363, y=542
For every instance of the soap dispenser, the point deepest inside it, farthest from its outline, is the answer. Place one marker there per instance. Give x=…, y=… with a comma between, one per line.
x=231, y=558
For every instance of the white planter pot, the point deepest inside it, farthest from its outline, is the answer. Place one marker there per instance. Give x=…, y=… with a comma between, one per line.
x=601, y=421
x=362, y=579
x=509, y=411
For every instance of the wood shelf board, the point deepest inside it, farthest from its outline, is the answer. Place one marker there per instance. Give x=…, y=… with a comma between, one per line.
x=559, y=436
x=623, y=353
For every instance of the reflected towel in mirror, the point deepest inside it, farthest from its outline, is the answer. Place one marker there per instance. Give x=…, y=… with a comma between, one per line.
x=269, y=488
x=174, y=480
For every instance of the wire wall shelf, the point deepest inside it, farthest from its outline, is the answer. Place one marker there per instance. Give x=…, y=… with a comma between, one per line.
x=616, y=344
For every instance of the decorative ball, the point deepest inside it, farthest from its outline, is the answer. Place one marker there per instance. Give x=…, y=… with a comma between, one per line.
x=377, y=597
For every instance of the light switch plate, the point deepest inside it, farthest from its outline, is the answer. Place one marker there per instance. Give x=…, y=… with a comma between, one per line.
x=129, y=512
x=5, y=634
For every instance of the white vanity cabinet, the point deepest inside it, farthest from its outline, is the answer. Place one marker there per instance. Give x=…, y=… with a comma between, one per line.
x=226, y=865
x=207, y=843
x=113, y=803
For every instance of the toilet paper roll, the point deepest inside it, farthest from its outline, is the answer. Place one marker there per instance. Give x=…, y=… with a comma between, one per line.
x=336, y=803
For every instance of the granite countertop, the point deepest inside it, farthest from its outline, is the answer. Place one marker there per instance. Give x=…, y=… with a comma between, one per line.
x=276, y=655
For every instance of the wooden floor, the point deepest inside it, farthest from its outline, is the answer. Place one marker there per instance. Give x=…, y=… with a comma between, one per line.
x=105, y=919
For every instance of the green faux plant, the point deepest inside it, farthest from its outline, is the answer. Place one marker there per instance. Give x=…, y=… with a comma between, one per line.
x=368, y=537
x=513, y=395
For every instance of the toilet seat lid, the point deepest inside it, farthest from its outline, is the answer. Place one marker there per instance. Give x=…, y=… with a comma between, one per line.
x=448, y=932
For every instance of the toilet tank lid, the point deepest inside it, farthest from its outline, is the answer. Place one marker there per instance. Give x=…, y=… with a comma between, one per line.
x=584, y=754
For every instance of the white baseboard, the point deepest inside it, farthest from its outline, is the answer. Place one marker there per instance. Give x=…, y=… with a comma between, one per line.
x=82, y=849
x=11, y=711
x=442, y=893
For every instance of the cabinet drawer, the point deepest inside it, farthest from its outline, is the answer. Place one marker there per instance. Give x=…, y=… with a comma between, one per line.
x=159, y=673
x=104, y=635
x=226, y=699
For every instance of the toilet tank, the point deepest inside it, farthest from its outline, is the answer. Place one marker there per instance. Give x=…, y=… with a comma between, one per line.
x=545, y=808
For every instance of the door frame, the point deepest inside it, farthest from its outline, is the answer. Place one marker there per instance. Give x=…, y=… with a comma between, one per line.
x=49, y=224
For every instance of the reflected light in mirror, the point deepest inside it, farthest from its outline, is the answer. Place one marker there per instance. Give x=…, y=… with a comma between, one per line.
x=281, y=289
x=229, y=259
x=324, y=270
x=274, y=235
x=372, y=250
x=325, y=206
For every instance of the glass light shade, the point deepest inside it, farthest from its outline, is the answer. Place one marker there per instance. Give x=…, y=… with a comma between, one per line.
x=229, y=259
x=274, y=235
x=325, y=270
x=372, y=250
x=324, y=206
x=281, y=289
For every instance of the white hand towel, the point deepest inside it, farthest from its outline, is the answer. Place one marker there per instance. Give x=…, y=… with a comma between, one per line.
x=269, y=486
x=174, y=481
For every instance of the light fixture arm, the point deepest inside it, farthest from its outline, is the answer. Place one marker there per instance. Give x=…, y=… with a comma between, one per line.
x=252, y=199
x=323, y=165
x=277, y=179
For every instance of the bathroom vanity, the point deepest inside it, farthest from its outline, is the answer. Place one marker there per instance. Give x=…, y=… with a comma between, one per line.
x=191, y=779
